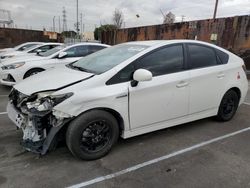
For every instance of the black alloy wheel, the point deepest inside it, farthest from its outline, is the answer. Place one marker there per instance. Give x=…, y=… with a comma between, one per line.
x=92, y=134
x=96, y=136
x=228, y=106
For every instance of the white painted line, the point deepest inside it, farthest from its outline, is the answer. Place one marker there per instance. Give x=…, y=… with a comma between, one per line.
x=246, y=103
x=153, y=161
x=3, y=113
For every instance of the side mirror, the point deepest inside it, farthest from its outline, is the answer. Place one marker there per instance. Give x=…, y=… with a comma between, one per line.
x=141, y=75
x=62, y=55
x=38, y=51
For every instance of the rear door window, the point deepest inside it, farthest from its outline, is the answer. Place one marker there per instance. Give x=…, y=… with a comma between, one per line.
x=201, y=56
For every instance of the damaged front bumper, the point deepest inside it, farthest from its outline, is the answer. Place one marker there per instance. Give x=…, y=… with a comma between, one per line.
x=39, y=128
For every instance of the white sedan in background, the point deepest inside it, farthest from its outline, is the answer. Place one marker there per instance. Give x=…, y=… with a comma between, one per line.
x=127, y=90
x=17, y=69
x=33, y=50
x=20, y=47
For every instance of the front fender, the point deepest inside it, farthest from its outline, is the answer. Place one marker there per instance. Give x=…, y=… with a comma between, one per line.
x=113, y=97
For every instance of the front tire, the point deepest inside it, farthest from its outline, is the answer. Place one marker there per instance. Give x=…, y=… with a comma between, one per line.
x=91, y=135
x=228, y=106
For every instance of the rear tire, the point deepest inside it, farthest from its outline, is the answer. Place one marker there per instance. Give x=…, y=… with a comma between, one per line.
x=32, y=72
x=91, y=135
x=228, y=106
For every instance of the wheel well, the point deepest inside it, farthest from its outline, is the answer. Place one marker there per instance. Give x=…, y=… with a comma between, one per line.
x=32, y=70
x=117, y=116
x=237, y=90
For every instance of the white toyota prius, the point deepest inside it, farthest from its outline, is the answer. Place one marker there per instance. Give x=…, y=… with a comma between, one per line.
x=124, y=91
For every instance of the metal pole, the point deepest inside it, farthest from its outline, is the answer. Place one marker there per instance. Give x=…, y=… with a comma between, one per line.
x=54, y=23
x=215, y=9
x=77, y=23
x=59, y=22
x=81, y=25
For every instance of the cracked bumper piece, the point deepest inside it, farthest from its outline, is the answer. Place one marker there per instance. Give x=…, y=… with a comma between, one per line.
x=38, y=131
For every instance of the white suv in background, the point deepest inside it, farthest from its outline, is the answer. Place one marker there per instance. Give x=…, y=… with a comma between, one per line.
x=16, y=69
x=126, y=90
x=33, y=50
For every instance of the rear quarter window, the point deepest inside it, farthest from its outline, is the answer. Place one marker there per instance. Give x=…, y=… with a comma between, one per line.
x=223, y=57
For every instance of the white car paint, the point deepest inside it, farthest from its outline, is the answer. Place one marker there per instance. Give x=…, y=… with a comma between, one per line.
x=26, y=52
x=32, y=62
x=163, y=101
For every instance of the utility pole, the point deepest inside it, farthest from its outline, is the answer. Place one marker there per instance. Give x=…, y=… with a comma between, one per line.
x=77, y=22
x=64, y=28
x=182, y=18
x=59, y=24
x=54, y=23
x=81, y=24
x=215, y=9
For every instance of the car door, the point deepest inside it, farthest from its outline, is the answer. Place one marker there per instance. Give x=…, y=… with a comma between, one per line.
x=207, y=78
x=166, y=96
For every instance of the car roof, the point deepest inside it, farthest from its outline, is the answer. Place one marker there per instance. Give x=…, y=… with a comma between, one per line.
x=51, y=43
x=152, y=43
x=33, y=43
x=87, y=43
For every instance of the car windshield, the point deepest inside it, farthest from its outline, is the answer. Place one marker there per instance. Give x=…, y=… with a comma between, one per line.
x=52, y=51
x=108, y=58
x=25, y=46
x=31, y=47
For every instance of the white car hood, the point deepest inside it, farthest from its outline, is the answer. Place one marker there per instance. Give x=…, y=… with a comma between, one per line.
x=13, y=53
x=52, y=79
x=16, y=54
x=22, y=59
x=5, y=50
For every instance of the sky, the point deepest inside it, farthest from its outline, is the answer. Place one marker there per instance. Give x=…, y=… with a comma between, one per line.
x=37, y=14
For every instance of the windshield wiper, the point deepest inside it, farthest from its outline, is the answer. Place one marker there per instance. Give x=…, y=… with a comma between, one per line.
x=82, y=69
x=79, y=68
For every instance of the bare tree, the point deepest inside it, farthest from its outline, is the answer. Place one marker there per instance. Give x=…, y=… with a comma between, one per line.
x=118, y=18
x=168, y=18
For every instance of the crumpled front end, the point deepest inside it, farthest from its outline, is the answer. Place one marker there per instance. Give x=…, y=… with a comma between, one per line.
x=35, y=116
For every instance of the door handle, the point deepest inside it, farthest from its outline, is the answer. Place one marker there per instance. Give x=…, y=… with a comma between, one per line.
x=221, y=75
x=182, y=84
x=122, y=95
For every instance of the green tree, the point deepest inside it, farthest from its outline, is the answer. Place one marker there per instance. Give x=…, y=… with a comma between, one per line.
x=98, y=31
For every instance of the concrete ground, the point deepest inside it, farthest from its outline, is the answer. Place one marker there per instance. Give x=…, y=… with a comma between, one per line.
x=225, y=163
